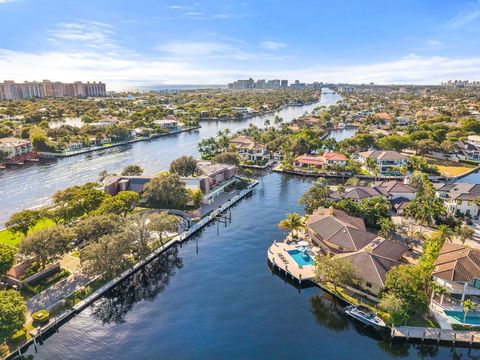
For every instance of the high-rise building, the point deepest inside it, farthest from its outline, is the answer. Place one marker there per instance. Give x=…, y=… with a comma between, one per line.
x=284, y=83
x=9, y=90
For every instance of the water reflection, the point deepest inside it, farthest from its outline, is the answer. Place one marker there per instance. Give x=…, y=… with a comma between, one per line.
x=145, y=284
x=329, y=313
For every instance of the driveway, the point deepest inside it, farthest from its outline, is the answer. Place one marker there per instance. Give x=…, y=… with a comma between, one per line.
x=57, y=292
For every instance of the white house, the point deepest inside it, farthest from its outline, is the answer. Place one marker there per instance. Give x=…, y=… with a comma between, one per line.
x=169, y=124
x=15, y=147
x=385, y=159
x=457, y=269
x=248, y=149
x=459, y=198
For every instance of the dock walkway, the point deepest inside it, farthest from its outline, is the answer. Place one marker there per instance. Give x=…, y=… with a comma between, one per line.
x=437, y=335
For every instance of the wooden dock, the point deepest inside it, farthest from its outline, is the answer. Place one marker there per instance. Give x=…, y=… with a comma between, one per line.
x=436, y=335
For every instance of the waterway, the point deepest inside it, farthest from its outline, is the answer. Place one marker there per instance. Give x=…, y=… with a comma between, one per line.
x=215, y=297
x=32, y=185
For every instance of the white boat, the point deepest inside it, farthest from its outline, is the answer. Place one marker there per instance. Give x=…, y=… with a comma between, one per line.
x=365, y=316
x=341, y=125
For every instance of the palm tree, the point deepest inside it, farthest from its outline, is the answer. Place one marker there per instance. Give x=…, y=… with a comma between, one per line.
x=293, y=222
x=444, y=233
x=465, y=232
x=468, y=305
x=278, y=120
x=266, y=123
x=437, y=290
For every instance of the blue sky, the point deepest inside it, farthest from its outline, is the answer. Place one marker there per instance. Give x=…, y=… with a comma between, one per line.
x=212, y=42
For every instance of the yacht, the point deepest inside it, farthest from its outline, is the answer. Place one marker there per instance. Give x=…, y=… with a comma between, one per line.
x=365, y=316
x=341, y=125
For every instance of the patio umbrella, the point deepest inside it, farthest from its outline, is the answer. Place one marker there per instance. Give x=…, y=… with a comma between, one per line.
x=303, y=243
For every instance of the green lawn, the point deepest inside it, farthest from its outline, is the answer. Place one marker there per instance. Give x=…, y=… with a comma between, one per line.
x=6, y=237
x=420, y=321
x=450, y=168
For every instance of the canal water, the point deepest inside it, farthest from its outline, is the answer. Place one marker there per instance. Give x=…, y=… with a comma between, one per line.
x=216, y=298
x=33, y=184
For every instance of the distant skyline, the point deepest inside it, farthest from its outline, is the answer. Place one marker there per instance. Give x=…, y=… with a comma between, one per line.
x=145, y=43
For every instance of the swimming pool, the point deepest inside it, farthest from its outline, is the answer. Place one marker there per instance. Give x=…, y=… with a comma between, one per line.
x=473, y=318
x=301, y=258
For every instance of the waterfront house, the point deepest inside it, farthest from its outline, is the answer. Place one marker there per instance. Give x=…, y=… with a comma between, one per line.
x=457, y=269
x=396, y=189
x=248, y=149
x=374, y=261
x=212, y=179
x=469, y=149
x=385, y=160
x=357, y=193
x=216, y=173
x=320, y=161
x=398, y=193
x=169, y=124
x=334, y=231
x=384, y=118
x=459, y=198
x=17, y=150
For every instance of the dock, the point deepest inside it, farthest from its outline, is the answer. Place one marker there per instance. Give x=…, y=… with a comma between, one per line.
x=60, y=319
x=436, y=335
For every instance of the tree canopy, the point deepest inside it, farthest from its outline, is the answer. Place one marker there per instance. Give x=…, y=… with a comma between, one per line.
x=7, y=258
x=166, y=191
x=47, y=244
x=12, y=313
x=184, y=166
x=132, y=170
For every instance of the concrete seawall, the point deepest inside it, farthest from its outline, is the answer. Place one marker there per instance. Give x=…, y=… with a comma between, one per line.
x=64, y=317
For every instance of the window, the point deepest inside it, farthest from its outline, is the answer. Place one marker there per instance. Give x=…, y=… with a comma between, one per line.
x=459, y=202
x=369, y=285
x=470, y=203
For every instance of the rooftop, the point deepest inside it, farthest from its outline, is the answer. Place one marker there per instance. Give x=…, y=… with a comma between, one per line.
x=386, y=155
x=457, y=263
x=337, y=227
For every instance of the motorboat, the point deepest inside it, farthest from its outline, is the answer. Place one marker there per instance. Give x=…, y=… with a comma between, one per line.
x=365, y=316
x=341, y=125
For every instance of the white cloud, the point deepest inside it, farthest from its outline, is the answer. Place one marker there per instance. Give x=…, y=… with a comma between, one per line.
x=91, y=34
x=225, y=49
x=465, y=16
x=272, y=45
x=6, y=1
x=125, y=69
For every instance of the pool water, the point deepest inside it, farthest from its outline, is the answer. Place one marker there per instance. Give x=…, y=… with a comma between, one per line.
x=457, y=317
x=300, y=257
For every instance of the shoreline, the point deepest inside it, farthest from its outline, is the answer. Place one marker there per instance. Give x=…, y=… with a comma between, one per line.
x=273, y=111
x=177, y=240
x=99, y=148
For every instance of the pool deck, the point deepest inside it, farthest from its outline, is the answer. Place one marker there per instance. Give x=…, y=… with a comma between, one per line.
x=278, y=256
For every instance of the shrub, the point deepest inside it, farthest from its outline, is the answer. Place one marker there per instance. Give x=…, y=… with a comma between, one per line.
x=19, y=336
x=41, y=316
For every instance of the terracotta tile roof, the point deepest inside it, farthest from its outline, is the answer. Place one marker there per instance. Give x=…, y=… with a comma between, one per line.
x=371, y=268
x=390, y=249
x=341, y=229
x=386, y=155
x=357, y=193
x=384, y=116
x=310, y=159
x=334, y=156
x=394, y=186
x=457, y=263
